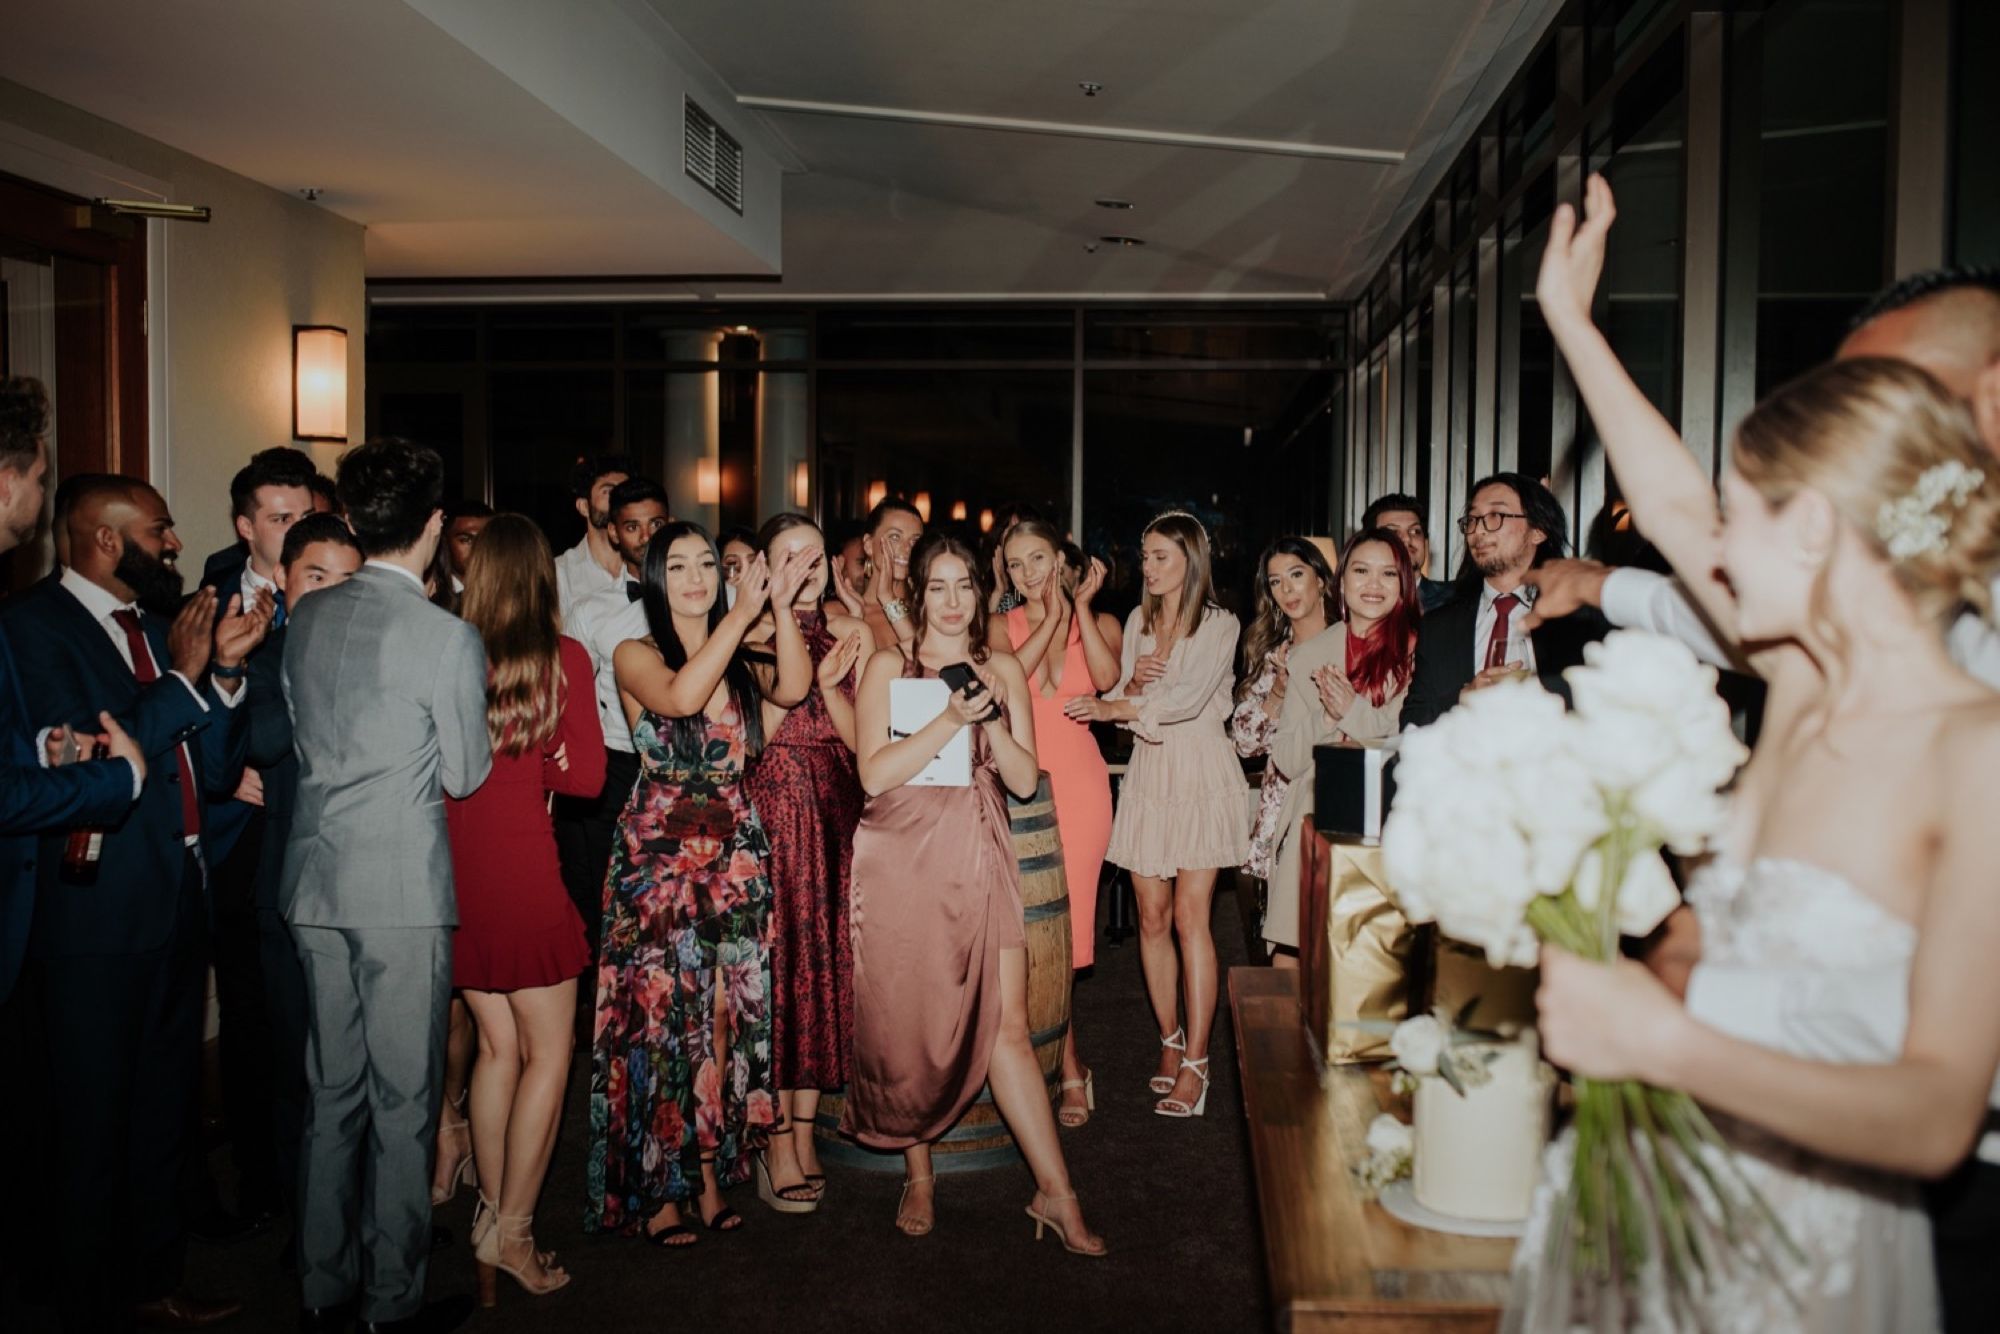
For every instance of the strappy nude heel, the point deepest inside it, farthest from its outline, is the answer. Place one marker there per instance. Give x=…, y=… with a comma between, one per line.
x=1174, y=1041
x=1076, y=1116
x=1042, y=1220
x=1180, y=1109
x=516, y=1228
x=466, y=1174
x=907, y=1225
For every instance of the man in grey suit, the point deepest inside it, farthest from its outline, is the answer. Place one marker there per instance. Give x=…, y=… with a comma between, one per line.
x=388, y=701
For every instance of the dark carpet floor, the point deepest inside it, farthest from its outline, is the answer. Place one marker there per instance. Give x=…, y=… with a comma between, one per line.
x=1174, y=1199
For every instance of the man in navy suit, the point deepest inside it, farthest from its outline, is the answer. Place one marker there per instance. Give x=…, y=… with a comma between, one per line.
x=122, y=957
x=266, y=497
x=35, y=798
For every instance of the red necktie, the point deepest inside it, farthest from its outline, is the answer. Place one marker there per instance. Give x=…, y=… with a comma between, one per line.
x=1496, y=647
x=144, y=668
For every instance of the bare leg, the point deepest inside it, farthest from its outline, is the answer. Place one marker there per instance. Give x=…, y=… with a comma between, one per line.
x=1158, y=961
x=1194, y=896
x=1022, y=1095
x=453, y=1144
x=916, y=1207
x=805, y=1111
x=543, y=1018
x=1075, y=1100
x=495, y=1078
x=781, y=1158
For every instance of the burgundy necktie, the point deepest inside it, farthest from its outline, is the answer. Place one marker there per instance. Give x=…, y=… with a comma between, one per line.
x=1496, y=647
x=145, y=669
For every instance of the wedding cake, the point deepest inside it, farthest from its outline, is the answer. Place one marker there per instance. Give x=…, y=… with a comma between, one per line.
x=1478, y=1154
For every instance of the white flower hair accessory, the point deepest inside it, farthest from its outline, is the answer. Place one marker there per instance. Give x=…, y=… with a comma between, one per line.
x=1912, y=525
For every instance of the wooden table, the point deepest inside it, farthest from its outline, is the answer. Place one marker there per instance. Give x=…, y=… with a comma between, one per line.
x=1337, y=1261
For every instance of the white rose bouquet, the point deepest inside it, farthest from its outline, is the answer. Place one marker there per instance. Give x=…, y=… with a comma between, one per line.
x=1518, y=822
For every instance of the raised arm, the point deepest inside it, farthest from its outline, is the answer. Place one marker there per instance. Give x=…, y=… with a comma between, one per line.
x=1103, y=640
x=1672, y=501
x=659, y=689
x=838, y=677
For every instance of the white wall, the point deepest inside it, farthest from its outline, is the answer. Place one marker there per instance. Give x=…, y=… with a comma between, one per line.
x=231, y=289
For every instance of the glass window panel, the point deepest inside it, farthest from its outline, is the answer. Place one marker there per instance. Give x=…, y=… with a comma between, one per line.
x=552, y=333
x=652, y=334
x=541, y=423
x=1975, y=138
x=1210, y=335
x=1533, y=388
x=986, y=438
x=926, y=334
x=1209, y=442
x=1823, y=180
x=434, y=417
x=413, y=334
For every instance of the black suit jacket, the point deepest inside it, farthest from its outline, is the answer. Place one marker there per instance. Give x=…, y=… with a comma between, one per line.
x=229, y=819
x=270, y=752
x=69, y=671
x=1446, y=658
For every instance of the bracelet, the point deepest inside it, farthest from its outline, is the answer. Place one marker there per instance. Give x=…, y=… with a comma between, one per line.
x=894, y=610
x=229, y=673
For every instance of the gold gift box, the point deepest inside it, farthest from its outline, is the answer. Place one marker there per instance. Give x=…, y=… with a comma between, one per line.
x=1356, y=949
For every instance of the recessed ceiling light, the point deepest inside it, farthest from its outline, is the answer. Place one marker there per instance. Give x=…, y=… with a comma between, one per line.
x=1112, y=203
x=1090, y=89
x=1122, y=240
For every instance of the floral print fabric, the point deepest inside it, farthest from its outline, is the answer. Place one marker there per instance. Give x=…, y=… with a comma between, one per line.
x=686, y=909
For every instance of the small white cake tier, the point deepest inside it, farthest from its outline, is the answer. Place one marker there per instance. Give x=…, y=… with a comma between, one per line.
x=1479, y=1156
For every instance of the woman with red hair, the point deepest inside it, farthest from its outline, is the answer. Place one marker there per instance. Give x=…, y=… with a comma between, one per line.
x=1359, y=670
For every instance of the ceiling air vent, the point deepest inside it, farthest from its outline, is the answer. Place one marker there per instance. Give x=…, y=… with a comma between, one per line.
x=711, y=156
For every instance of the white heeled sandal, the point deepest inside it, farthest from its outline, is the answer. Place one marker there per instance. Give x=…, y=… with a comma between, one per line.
x=1174, y=1041
x=1179, y=1109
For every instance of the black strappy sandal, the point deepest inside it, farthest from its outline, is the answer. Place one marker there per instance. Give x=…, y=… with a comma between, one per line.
x=665, y=1238
x=726, y=1219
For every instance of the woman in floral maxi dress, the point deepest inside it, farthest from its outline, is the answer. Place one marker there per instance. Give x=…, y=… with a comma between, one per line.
x=681, y=1086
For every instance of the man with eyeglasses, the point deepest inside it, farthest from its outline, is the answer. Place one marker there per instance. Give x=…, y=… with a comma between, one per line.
x=1480, y=638
x=1402, y=515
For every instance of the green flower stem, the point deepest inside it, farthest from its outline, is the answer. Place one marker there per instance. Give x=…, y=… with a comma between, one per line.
x=1669, y=1200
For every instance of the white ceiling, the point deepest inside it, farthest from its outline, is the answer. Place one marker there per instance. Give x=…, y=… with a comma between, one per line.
x=482, y=138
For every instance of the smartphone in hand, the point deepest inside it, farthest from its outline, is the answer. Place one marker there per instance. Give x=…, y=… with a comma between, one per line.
x=960, y=677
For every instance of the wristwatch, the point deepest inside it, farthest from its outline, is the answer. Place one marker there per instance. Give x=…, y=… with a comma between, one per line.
x=894, y=609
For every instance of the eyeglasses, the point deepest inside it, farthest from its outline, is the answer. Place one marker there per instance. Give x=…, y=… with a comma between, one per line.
x=1490, y=521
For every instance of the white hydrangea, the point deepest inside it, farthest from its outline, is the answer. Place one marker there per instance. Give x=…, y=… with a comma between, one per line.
x=1418, y=1043
x=1913, y=525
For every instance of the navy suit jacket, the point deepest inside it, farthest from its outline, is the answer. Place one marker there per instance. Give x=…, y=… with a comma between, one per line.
x=34, y=800
x=69, y=670
x=268, y=726
x=228, y=819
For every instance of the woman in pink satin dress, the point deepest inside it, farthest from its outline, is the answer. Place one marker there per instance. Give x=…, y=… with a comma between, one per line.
x=940, y=957
x=1067, y=649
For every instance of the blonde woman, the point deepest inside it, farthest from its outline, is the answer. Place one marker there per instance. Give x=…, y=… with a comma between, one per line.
x=520, y=944
x=1842, y=1014
x=1182, y=810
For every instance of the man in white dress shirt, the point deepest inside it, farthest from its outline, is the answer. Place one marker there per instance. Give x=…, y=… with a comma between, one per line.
x=1948, y=323
x=592, y=565
x=637, y=508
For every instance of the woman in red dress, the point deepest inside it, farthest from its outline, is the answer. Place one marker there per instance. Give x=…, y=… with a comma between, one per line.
x=808, y=796
x=520, y=945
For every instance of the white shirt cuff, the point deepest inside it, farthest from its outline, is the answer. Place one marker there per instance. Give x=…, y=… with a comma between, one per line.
x=1625, y=595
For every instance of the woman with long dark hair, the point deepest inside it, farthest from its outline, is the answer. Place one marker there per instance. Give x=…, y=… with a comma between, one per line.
x=808, y=796
x=940, y=946
x=1351, y=682
x=520, y=944
x=1183, y=810
x=1295, y=602
x=1067, y=648
x=680, y=1088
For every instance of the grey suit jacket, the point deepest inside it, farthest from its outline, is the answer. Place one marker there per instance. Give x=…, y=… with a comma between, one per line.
x=388, y=701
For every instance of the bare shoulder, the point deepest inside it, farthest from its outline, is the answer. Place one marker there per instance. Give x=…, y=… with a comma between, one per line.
x=1008, y=668
x=884, y=664
x=840, y=626
x=1969, y=751
x=636, y=653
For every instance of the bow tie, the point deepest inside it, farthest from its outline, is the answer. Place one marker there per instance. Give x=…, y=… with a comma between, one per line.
x=634, y=591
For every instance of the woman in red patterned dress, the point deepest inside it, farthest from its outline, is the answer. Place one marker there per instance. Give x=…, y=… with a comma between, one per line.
x=807, y=794
x=520, y=944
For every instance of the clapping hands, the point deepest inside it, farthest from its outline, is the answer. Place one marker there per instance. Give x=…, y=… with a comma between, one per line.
x=793, y=570
x=753, y=588
x=836, y=666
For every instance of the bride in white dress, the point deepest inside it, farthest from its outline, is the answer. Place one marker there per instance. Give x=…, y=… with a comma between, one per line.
x=1842, y=1018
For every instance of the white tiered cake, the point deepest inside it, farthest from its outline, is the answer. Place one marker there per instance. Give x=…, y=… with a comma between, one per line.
x=1479, y=1155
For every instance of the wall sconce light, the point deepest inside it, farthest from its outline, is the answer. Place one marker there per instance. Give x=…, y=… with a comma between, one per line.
x=319, y=382
x=707, y=482
x=878, y=491
x=801, y=484
x=986, y=521
x=922, y=500
x=958, y=510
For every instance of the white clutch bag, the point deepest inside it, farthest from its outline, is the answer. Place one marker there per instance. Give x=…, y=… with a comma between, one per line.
x=913, y=702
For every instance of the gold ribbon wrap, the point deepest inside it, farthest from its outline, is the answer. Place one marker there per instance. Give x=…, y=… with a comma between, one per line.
x=1355, y=948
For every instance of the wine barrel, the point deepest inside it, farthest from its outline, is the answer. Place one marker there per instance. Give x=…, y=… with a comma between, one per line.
x=979, y=1138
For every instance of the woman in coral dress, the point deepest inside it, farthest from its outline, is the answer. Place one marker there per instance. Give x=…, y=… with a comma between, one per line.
x=680, y=1089
x=1067, y=649
x=809, y=799
x=520, y=945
